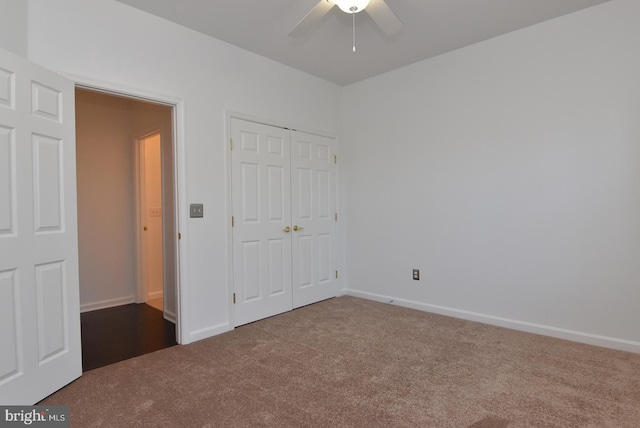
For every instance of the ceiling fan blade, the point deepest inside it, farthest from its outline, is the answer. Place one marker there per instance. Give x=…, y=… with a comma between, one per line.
x=311, y=18
x=382, y=15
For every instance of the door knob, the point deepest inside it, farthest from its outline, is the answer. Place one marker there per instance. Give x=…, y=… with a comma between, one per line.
x=145, y=228
x=297, y=228
x=286, y=229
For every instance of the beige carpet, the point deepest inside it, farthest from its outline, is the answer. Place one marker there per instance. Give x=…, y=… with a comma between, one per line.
x=348, y=362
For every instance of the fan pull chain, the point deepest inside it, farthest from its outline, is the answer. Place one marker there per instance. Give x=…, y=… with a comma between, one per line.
x=353, y=10
x=354, y=30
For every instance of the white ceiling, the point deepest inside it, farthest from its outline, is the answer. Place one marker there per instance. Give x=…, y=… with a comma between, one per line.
x=431, y=27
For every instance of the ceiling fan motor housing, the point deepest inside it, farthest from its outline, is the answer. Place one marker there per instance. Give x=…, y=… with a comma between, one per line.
x=351, y=6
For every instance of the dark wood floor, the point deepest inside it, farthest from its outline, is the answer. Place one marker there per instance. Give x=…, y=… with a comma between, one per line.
x=116, y=334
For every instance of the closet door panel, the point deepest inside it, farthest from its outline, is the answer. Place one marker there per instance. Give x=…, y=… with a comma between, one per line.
x=261, y=189
x=313, y=216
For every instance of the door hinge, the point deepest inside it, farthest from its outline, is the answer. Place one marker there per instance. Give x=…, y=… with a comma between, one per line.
x=336, y=216
x=179, y=235
x=233, y=221
x=335, y=158
x=336, y=274
x=234, y=298
x=230, y=143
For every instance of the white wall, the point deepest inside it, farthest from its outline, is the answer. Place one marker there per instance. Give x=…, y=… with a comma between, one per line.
x=108, y=41
x=106, y=221
x=13, y=26
x=508, y=172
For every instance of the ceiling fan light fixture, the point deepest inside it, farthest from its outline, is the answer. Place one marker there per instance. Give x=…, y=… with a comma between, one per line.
x=351, y=6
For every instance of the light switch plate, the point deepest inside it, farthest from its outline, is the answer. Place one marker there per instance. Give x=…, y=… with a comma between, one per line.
x=196, y=210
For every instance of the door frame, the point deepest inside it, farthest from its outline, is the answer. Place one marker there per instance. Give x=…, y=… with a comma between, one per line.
x=179, y=179
x=228, y=115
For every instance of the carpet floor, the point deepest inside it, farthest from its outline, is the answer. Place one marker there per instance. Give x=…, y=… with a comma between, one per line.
x=348, y=362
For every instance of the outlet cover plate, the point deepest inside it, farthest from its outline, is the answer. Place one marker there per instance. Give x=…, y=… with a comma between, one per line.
x=196, y=210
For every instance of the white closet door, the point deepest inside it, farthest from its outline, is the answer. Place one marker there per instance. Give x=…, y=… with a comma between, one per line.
x=39, y=295
x=260, y=159
x=313, y=216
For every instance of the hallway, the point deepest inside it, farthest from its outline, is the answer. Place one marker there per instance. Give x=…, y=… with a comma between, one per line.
x=116, y=334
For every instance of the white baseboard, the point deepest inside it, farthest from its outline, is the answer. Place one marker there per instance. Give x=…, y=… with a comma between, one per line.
x=342, y=292
x=170, y=316
x=208, y=332
x=103, y=304
x=155, y=295
x=560, y=333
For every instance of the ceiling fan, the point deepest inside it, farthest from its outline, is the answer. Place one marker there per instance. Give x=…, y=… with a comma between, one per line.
x=378, y=10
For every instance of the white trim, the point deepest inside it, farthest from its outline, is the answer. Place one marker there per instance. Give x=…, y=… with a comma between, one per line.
x=278, y=124
x=179, y=177
x=139, y=237
x=338, y=244
x=104, y=304
x=229, y=212
x=560, y=333
x=180, y=222
x=155, y=295
x=209, y=332
x=170, y=316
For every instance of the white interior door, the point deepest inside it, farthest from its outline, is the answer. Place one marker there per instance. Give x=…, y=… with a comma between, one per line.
x=283, y=192
x=314, y=217
x=260, y=165
x=39, y=300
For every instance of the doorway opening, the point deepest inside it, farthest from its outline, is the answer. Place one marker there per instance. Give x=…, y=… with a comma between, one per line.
x=126, y=226
x=149, y=214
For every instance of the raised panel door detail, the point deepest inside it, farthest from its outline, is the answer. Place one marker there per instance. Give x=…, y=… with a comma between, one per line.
x=275, y=146
x=9, y=351
x=261, y=198
x=7, y=89
x=304, y=194
x=39, y=284
x=50, y=297
x=324, y=195
x=324, y=153
x=46, y=102
x=313, y=193
x=324, y=257
x=7, y=181
x=251, y=270
x=276, y=193
x=276, y=266
x=249, y=142
x=250, y=192
x=47, y=184
x=305, y=261
x=304, y=150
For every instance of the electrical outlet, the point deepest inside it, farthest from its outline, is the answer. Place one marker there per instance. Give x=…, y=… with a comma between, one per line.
x=196, y=211
x=416, y=274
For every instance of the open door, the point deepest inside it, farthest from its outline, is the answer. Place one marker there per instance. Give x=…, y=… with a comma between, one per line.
x=313, y=217
x=39, y=300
